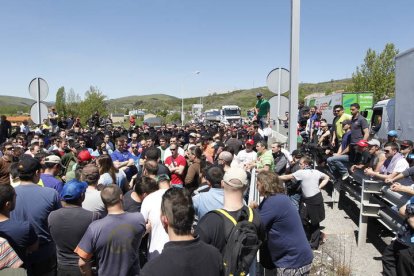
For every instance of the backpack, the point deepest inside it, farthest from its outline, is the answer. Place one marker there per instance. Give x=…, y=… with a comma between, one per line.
x=242, y=242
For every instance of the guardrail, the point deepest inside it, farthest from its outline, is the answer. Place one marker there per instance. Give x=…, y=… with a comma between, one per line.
x=376, y=200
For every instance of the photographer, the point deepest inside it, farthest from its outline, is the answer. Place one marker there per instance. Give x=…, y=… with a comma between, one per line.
x=398, y=257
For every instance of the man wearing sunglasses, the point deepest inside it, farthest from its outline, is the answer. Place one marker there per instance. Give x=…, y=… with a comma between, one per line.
x=394, y=164
x=406, y=149
x=337, y=130
x=176, y=164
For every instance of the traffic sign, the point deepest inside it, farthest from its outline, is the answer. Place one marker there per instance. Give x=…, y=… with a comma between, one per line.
x=278, y=76
x=38, y=89
x=34, y=113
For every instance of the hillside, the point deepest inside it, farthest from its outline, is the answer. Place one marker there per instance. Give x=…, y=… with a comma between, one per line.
x=15, y=101
x=245, y=98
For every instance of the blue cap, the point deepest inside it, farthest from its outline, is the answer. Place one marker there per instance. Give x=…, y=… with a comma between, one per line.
x=392, y=133
x=73, y=190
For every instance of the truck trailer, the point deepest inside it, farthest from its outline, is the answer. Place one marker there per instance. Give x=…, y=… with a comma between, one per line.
x=326, y=104
x=397, y=113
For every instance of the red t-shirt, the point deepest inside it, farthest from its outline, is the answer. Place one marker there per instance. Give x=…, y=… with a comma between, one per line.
x=179, y=161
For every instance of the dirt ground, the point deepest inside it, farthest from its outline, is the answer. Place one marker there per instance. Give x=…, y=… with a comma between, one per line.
x=341, y=255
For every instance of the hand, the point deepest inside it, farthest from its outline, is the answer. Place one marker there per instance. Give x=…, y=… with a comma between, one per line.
x=396, y=187
x=388, y=180
x=369, y=171
x=253, y=205
x=352, y=169
x=333, y=143
x=148, y=227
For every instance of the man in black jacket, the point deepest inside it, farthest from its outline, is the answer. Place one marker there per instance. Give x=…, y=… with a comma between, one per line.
x=183, y=254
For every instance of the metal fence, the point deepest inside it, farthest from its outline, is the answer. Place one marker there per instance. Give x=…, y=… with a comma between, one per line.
x=376, y=200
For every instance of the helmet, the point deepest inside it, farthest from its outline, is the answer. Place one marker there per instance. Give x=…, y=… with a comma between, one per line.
x=392, y=133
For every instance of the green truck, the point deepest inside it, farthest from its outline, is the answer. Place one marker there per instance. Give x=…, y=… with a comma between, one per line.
x=326, y=103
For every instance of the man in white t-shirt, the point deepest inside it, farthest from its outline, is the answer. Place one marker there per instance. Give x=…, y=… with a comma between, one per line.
x=394, y=164
x=246, y=156
x=93, y=201
x=311, y=209
x=151, y=210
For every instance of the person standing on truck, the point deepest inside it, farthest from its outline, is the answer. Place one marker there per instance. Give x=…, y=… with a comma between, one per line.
x=359, y=130
x=262, y=111
x=337, y=130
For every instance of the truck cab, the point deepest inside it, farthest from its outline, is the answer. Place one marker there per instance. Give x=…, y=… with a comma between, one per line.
x=212, y=116
x=230, y=114
x=383, y=118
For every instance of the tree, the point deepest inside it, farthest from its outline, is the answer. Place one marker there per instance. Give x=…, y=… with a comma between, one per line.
x=61, y=101
x=377, y=74
x=94, y=101
x=72, y=103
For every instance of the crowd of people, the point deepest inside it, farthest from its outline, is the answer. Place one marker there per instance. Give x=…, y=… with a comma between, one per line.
x=176, y=200
x=346, y=146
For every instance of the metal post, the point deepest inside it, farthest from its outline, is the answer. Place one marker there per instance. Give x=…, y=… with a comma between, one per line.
x=278, y=100
x=363, y=219
x=294, y=74
x=182, y=108
x=38, y=101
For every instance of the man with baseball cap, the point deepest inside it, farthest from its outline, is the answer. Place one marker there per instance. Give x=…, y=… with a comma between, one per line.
x=392, y=136
x=246, y=156
x=34, y=204
x=64, y=231
x=394, y=164
x=212, y=226
x=52, y=168
x=406, y=148
x=377, y=155
x=362, y=156
x=262, y=110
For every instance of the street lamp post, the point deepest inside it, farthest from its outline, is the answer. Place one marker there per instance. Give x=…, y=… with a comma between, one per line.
x=182, y=97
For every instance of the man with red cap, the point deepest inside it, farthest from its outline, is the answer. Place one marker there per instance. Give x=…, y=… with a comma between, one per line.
x=362, y=156
x=246, y=156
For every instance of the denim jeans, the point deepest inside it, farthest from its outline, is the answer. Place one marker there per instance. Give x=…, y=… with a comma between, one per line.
x=338, y=164
x=262, y=121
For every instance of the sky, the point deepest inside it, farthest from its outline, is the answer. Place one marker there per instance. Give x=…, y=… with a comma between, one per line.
x=139, y=47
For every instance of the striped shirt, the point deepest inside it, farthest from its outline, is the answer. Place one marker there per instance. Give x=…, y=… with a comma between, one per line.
x=8, y=257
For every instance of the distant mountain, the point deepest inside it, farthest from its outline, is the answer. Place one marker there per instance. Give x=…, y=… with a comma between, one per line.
x=15, y=101
x=245, y=98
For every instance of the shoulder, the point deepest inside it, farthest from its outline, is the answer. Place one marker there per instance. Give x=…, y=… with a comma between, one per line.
x=14, y=226
x=211, y=220
x=136, y=216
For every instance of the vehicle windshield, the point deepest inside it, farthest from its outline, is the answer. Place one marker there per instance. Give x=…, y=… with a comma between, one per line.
x=213, y=113
x=231, y=112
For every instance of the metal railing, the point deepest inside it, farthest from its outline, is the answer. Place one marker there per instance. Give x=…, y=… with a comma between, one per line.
x=376, y=200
